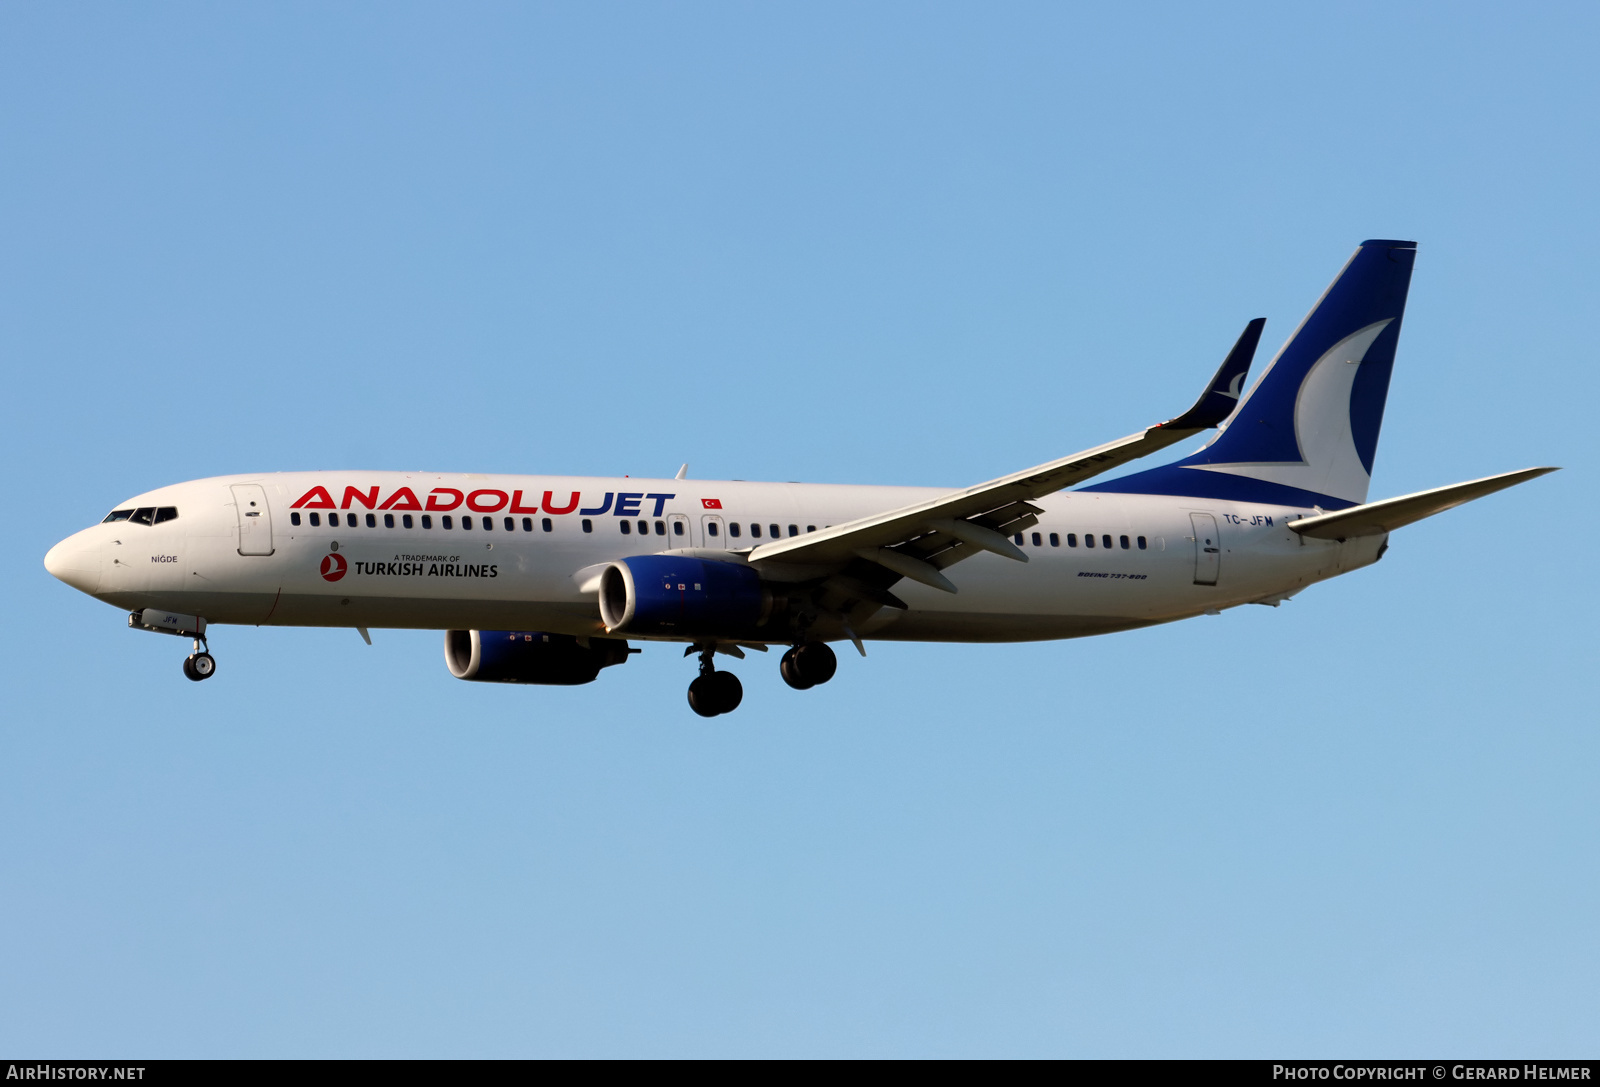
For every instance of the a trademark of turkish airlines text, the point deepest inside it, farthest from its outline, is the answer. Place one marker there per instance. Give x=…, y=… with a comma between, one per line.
x=425, y=569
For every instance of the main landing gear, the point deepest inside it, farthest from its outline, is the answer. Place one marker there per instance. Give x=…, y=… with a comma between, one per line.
x=808, y=664
x=714, y=692
x=802, y=667
x=200, y=664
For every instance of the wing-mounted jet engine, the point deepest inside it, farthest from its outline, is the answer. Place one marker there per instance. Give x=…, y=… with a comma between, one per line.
x=673, y=595
x=530, y=656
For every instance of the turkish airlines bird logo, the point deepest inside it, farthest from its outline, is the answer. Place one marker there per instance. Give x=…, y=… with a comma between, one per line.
x=333, y=567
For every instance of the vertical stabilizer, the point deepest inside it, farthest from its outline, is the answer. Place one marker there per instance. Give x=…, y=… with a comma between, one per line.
x=1306, y=433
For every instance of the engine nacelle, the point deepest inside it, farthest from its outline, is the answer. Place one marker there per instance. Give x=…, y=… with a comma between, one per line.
x=529, y=656
x=675, y=594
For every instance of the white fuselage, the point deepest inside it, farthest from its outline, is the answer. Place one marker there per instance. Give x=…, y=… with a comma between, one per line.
x=230, y=563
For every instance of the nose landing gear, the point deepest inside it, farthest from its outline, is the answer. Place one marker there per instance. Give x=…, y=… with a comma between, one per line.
x=714, y=692
x=807, y=665
x=200, y=664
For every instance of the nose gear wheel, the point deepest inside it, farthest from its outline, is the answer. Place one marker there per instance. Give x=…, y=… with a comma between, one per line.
x=200, y=664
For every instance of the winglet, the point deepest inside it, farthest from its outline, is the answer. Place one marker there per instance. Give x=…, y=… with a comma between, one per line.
x=1222, y=395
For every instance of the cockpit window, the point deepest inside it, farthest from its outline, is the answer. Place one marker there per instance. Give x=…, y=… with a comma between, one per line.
x=144, y=515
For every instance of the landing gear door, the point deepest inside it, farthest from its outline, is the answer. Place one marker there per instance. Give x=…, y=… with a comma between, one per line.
x=1207, y=548
x=255, y=519
x=678, y=531
x=713, y=533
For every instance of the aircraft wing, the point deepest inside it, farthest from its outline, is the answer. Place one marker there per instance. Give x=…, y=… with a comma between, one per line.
x=1376, y=518
x=917, y=541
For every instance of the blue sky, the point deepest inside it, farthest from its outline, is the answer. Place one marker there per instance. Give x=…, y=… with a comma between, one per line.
x=919, y=244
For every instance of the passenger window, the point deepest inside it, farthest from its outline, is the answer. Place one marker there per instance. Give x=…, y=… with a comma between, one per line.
x=1055, y=539
x=169, y=513
x=794, y=530
x=316, y=521
x=811, y=528
x=734, y=529
x=1038, y=540
x=644, y=528
x=294, y=518
x=406, y=520
x=677, y=528
x=447, y=521
x=388, y=520
x=350, y=519
x=774, y=531
x=1105, y=541
x=1018, y=539
x=527, y=524
x=117, y=515
x=372, y=520
x=661, y=528
x=1124, y=541
x=466, y=524
x=144, y=515
x=1141, y=543
x=511, y=524
x=546, y=525
x=711, y=528
x=1088, y=539
x=427, y=522
x=488, y=524
x=1072, y=539
x=627, y=527
x=588, y=525
x=755, y=530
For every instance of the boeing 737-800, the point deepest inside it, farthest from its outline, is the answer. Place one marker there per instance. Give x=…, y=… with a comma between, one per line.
x=545, y=579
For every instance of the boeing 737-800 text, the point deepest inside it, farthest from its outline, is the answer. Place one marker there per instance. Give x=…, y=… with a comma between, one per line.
x=544, y=579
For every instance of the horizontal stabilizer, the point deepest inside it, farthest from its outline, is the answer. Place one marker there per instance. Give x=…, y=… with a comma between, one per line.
x=1376, y=518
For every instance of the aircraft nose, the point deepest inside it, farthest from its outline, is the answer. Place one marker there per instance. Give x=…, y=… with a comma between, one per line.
x=75, y=561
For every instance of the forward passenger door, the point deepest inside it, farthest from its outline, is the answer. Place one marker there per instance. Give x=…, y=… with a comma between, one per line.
x=255, y=519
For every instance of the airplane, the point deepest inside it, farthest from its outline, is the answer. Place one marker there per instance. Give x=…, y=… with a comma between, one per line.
x=545, y=579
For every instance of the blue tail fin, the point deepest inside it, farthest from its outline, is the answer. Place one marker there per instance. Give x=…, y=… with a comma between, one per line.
x=1307, y=432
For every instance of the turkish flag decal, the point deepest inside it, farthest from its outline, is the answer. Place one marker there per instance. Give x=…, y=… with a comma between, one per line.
x=711, y=503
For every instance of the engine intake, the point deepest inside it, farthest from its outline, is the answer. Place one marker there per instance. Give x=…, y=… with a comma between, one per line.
x=529, y=656
x=675, y=594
